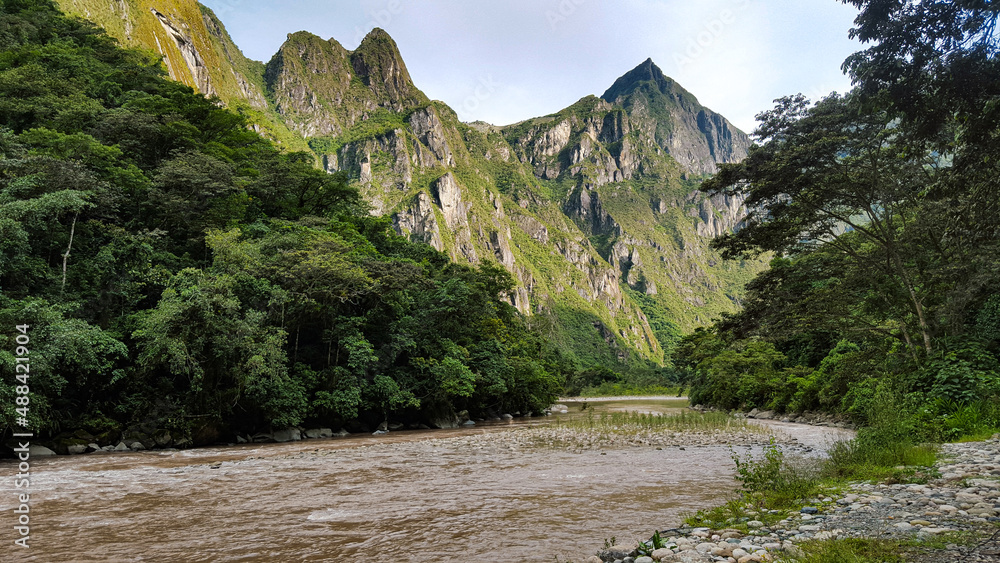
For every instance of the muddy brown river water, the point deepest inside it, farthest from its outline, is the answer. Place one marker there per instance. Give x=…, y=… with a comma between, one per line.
x=415, y=496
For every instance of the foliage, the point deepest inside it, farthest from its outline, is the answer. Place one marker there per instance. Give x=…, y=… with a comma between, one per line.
x=847, y=550
x=772, y=477
x=880, y=207
x=179, y=271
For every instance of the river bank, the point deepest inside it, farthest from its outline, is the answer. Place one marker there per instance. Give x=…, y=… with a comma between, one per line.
x=952, y=517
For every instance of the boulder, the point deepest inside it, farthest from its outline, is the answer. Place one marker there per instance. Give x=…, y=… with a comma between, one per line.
x=136, y=446
x=444, y=422
x=76, y=449
x=319, y=433
x=287, y=435
x=92, y=447
x=39, y=451
x=121, y=447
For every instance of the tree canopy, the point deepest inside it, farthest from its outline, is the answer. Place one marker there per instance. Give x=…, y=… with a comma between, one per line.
x=180, y=272
x=880, y=210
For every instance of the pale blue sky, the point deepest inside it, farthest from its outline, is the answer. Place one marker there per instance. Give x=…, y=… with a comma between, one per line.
x=505, y=61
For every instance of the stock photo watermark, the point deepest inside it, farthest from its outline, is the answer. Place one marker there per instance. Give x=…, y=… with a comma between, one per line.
x=699, y=43
x=379, y=16
x=483, y=91
x=563, y=11
x=22, y=404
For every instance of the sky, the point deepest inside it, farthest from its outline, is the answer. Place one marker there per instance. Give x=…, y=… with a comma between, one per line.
x=503, y=62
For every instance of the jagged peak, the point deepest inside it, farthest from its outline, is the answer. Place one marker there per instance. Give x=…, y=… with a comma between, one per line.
x=647, y=72
x=377, y=34
x=378, y=62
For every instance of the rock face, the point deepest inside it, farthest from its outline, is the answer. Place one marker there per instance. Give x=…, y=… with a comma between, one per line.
x=321, y=89
x=695, y=136
x=419, y=222
x=189, y=54
x=594, y=210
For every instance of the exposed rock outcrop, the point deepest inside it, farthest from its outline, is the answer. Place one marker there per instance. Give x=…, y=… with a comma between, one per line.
x=418, y=222
x=195, y=64
x=427, y=127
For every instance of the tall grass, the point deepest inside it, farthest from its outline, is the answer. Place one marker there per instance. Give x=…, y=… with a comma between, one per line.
x=888, y=442
x=847, y=550
x=685, y=421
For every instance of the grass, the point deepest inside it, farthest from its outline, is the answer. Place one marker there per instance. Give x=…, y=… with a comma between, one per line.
x=771, y=486
x=882, y=462
x=847, y=550
x=632, y=422
x=631, y=429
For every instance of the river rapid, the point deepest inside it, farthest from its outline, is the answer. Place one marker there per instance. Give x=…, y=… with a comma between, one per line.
x=422, y=496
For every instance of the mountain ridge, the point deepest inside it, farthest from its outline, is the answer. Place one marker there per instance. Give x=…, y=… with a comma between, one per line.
x=594, y=209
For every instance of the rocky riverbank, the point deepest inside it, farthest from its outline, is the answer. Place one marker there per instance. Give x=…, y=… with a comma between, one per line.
x=962, y=500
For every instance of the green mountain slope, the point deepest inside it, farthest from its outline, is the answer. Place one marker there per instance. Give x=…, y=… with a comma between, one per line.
x=196, y=50
x=594, y=209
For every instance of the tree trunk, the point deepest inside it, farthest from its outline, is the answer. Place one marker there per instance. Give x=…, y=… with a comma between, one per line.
x=925, y=329
x=72, y=231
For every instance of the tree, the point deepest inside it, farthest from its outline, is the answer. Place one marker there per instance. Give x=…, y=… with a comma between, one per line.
x=833, y=176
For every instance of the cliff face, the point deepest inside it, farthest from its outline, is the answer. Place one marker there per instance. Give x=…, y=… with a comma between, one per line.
x=594, y=209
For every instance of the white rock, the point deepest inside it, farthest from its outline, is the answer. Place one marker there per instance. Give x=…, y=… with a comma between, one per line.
x=660, y=554
x=39, y=451
x=703, y=547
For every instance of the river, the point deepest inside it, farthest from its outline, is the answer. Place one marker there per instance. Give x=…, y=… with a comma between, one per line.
x=421, y=496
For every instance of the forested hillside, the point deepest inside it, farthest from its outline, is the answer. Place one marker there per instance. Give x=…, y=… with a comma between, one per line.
x=882, y=207
x=181, y=273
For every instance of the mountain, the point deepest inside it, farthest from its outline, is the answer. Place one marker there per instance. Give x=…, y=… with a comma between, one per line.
x=196, y=50
x=594, y=209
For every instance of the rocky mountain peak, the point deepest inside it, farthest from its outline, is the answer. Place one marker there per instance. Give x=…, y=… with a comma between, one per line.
x=695, y=136
x=649, y=81
x=322, y=89
x=378, y=63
